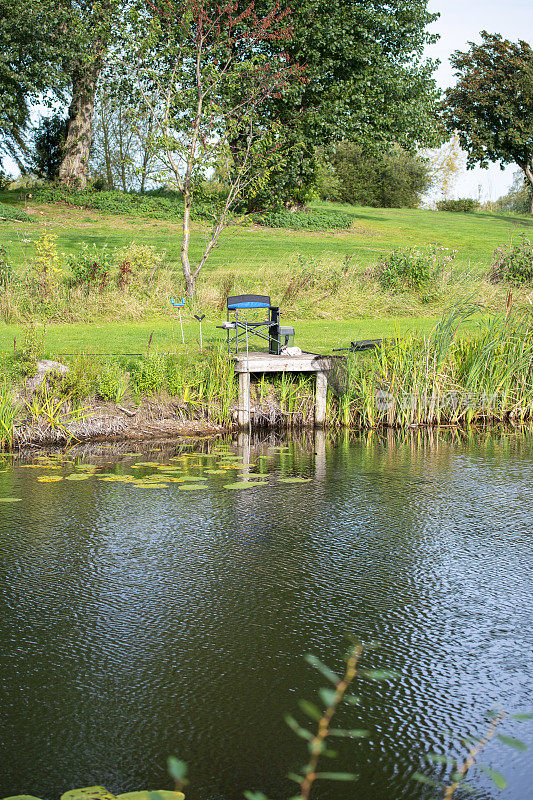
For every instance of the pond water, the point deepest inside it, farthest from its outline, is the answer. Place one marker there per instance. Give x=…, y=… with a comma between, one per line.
x=140, y=619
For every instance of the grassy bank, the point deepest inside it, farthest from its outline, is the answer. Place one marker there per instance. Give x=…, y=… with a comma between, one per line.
x=439, y=378
x=93, y=267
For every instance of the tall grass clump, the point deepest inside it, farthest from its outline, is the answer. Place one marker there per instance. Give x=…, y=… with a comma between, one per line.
x=9, y=411
x=442, y=379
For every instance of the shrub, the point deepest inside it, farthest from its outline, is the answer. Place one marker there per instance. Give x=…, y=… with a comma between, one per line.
x=6, y=270
x=413, y=268
x=513, y=263
x=137, y=263
x=316, y=220
x=91, y=268
x=466, y=205
x=147, y=376
x=9, y=213
x=111, y=383
x=46, y=264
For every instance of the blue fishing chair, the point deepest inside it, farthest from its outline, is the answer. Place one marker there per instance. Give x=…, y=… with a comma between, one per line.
x=253, y=314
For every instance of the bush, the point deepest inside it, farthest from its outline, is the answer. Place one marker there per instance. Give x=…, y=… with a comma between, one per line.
x=513, y=263
x=322, y=220
x=91, y=268
x=137, y=263
x=466, y=205
x=168, y=205
x=393, y=179
x=6, y=269
x=147, y=376
x=111, y=383
x=413, y=268
x=9, y=213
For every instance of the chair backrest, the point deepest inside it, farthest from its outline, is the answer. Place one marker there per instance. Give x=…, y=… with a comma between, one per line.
x=248, y=301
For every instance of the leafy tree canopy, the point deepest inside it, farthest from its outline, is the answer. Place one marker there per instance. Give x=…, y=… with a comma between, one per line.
x=491, y=105
x=366, y=80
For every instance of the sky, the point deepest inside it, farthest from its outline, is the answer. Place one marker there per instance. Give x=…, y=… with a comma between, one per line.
x=460, y=22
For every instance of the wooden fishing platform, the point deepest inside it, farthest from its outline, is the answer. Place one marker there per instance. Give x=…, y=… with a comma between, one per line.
x=257, y=363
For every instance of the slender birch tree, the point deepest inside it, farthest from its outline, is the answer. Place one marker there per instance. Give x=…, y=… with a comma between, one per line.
x=213, y=71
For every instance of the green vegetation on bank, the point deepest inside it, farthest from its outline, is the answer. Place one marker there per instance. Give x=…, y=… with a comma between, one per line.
x=442, y=377
x=93, y=268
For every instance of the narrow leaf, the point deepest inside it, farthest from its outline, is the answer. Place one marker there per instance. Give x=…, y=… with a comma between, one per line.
x=352, y=734
x=438, y=759
x=516, y=743
x=417, y=776
x=297, y=728
x=310, y=709
x=495, y=776
x=313, y=661
x=337, y=776
x=327, y=695
x=379, y=674
x=522, y=717
x=293, y=777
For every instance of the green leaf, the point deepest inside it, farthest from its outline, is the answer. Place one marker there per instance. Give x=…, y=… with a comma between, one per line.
x=315, y=662
x=496, y=777
x=255, y=796
x=516, y=743
x=438, y=759
x=176, y=769
x=22, y=797
x=352, y=699
x=88, y=793
x=337, y=776
x=327, y=696
x=310, y=709
x=522, y=717
x=297, y=728
x=154, y=794
x=379, y=674
x=356, y=733
x=417, y=776
x=293, y=777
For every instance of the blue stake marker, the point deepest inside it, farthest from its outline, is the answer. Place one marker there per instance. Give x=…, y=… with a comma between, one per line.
x=179, y=306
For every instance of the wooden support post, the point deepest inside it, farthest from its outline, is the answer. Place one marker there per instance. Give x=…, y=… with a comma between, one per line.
x=244, y=390
x=320, y=398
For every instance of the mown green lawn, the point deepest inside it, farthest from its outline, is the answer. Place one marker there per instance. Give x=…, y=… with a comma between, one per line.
x=312, y=335
x=374, y=232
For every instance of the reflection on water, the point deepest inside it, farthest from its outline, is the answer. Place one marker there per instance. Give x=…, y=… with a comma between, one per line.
x=140, y=622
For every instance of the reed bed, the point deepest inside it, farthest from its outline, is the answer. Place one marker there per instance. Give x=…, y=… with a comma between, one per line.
x=442, y=379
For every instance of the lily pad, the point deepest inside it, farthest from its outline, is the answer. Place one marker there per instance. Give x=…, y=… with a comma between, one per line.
x=244, y=484
x=88, y=793
x=215, y=471
x=156, y=794
x=10, y=499
x=192, y=486
x=49, y=478
x=77, y=477
x=22, y=797
x=294, y=480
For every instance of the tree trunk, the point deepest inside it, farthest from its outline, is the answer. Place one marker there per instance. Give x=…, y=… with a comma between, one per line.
x=528, y=169
x=73, y=169
x=185, y=263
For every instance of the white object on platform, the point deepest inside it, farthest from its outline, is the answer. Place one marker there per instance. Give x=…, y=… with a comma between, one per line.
x=291, y=351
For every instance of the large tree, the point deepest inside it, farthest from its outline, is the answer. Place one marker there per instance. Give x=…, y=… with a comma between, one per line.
x=491, y=105
x=29, y=68
x=367, y=82
x=86, y=27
